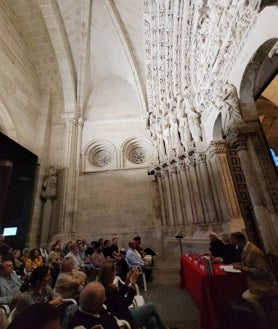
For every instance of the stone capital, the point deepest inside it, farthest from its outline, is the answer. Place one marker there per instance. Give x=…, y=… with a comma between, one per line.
x=70, y=119
x=236, y=137
x=216, y=147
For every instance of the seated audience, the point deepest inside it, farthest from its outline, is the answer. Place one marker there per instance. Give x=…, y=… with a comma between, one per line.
x=119, y=256
x=255, y=266
x=82, y=252
x=34, y=260
x=97, y=258
x=134, y=259
x=37, y=290
x=146, y=253
x=44, y=252
x=18, y=265
x=91, y=311
x=24, y=255
x=89, y=251
x=4, y=249
x=10, y=284
x=115, y=249
x=147, y=250
x=54, y=260
x=70, y=281
x=107, y=250
x=74, y=254
x=37, y=316
x=66, y=249
x=118, y=300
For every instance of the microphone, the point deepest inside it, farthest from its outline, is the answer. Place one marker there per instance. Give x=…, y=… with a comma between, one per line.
x=179, y=236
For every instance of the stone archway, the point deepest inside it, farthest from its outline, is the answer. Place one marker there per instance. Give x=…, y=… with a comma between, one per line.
x=253, y=151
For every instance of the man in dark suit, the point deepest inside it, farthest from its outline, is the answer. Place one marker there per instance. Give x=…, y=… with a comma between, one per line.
x=91, y=312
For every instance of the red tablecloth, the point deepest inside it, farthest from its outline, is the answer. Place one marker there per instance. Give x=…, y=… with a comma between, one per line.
x=211, y=292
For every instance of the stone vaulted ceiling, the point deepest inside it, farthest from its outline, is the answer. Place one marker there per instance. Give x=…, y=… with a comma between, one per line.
x=169, y=63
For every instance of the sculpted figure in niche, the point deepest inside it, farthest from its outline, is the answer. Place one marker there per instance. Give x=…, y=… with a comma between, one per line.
x=166, y=136
x=174, y=130
x=184, y=131
x=194, y=126
x=49, y=186
x=228, y=103
x=188, y=102
x=160, y=142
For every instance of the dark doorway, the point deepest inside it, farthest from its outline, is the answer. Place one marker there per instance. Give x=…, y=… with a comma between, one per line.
x=18, y=168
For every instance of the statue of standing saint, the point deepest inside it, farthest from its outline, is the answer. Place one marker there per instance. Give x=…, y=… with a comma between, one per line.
x=49, y=186
x=228, y=103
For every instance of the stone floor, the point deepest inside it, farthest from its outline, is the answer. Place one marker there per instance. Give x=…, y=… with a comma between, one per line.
x=175, y=305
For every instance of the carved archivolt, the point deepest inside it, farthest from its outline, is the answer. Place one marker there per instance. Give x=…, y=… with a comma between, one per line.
x=138, y=150
x=188, y=44
x=101, y=153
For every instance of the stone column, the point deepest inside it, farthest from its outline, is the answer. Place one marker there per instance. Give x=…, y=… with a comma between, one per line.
x=221, y=181
x=205, y=189
x=168, y=196
x=69, y=186
x=161, y=196
x=184, y=194
x=176, y=203
x=197, y=207
x=242, y=139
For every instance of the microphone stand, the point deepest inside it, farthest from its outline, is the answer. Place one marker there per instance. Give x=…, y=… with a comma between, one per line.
x=180, y=237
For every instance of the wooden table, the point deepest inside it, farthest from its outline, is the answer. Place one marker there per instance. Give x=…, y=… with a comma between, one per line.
x=211, y=292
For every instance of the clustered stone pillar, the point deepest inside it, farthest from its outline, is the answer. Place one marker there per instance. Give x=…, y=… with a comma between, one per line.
x=242, y=139
x=69, y=176
x=222, y=187
x=210, y=214
x=191, y=193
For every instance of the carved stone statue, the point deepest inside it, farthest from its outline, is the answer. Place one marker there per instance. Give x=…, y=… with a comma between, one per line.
x=227, y=102
x=194, y=126
x=49, y=186
x=185, y=134
x=174, y=130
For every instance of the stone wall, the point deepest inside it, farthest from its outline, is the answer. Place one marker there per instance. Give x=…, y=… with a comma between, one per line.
x=19, y=85
x=117, y=203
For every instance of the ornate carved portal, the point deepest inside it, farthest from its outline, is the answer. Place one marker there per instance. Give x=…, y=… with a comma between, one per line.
x=185, y=51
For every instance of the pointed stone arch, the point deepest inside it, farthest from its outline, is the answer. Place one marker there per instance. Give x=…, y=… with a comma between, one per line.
x=60, y=43
x=251, y=76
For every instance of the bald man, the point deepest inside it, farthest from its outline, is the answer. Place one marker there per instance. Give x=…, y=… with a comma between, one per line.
x=91, y=312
